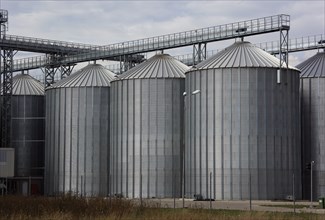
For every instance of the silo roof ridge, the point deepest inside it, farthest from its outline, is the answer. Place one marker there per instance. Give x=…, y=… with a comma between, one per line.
x=91, y=75
x=241, y=54
x=24, y=84
x=158, y=66
x=313, y=67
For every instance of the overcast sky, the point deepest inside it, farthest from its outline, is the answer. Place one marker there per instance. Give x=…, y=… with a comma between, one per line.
x=106, y=22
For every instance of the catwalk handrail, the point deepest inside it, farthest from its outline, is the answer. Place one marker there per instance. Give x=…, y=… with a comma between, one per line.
x=187, y=38
x=296, y=44
x=203, y=35
x=33, y=44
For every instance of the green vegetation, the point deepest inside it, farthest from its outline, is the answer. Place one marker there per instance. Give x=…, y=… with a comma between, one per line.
x=70, y=207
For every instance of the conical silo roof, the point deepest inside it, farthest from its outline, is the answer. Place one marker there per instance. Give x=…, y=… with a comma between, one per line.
x=93, y=75
x=241, y=54
x=24, y=84
x=314, y=66
x=158, y=66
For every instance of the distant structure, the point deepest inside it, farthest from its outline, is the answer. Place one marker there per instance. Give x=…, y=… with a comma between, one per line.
x=147, y=129
x=312, y=92
x=77, y=131
x=28, y=136
x=242, y=129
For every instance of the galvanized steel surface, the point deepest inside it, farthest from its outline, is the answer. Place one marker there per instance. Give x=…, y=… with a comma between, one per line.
x=313, y=123
x=77, y=133
x=28, y=125
x=24, y=84
x=314, y=66
x=158, y=66
x=242, y=124
x=90, y=75
x=241, y=54
x=147, y=130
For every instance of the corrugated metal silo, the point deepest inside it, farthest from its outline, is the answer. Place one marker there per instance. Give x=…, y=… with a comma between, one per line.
x=147, y=129
x=28, y=126
x=77, y=133
x=312, y=92
x=243, y=126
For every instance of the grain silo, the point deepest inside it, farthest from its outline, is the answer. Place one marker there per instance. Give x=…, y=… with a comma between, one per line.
x=312, y=90
x=147, y=129
x=242, y=128
x=28, y=133
x=77, y=133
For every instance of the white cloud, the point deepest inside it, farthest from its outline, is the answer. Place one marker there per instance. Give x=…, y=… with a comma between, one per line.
x=106, y=22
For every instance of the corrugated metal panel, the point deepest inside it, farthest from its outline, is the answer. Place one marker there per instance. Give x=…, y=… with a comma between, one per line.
x=158, y=66
x=147, y=130
x=89, y=76
x=241, y=54
x=314, y=66
x=28, y=134
x=77, y=131
x=242, y=123
x=24, y=84
x=312, y=91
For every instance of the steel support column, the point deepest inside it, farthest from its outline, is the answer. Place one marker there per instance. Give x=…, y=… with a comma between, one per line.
x=6, y=78
x=50, y=69
x=66, y=70
x=284, y=48
x=199, y=53
x=126, y=63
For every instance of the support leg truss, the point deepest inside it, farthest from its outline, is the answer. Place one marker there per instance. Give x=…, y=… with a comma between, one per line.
x=126, y=63
x=284, y=48
x=66, y=70
x=283, y=53
x=50, y=69
x=6, y=78
x=49, y=72
x=199, y=53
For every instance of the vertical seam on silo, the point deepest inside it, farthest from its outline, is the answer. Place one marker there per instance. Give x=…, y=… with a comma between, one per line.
x=156, y=139
x=165, y=135
x=127, y=132
x=92, y=139
x=249, y=128
x=266, y=136
x=222, y=135
x=239, y=135
x=133, y=135
x=188, y=136
x=117, y=153
x=85, y=145
x=64, y=141
x=148, y=141
x=195, y=150
x=119, y=132
x=78, y=155
x=230, y=137
x=112, y=169
x=70, y=141
x=200, y=134
x=57, y=95
x=172, y=141
x=257, y=132
x=206, y=131
x=140, y=102
x=213, y=132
